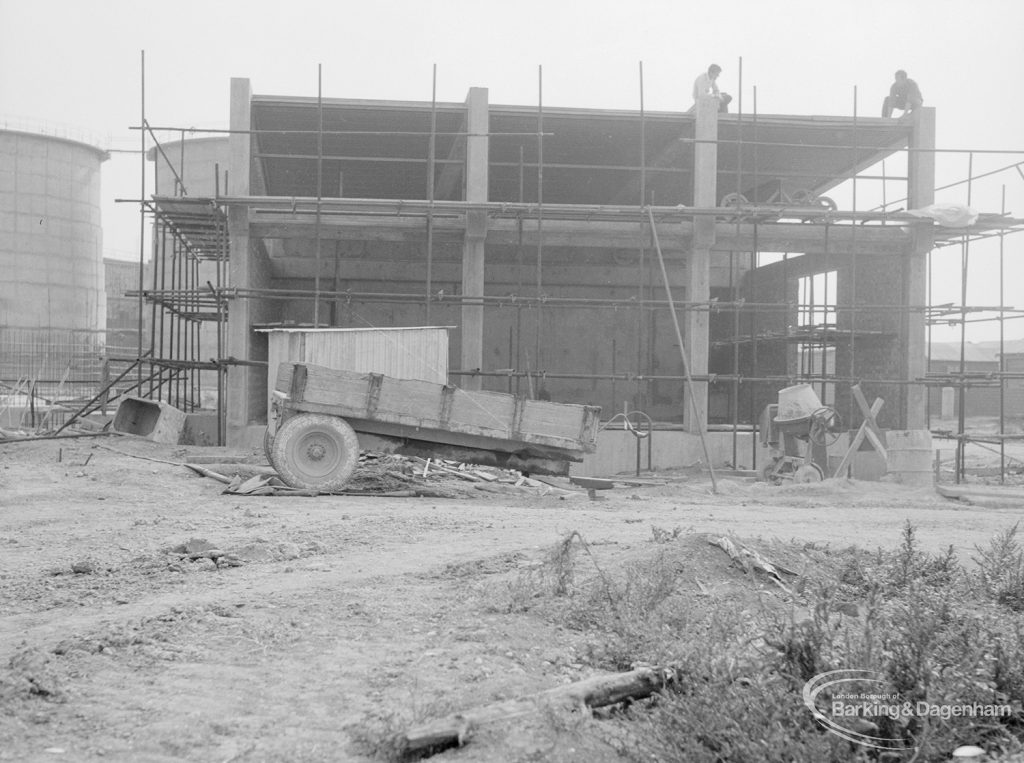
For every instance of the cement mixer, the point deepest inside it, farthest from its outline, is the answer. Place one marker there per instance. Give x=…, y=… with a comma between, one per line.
x=797, y=432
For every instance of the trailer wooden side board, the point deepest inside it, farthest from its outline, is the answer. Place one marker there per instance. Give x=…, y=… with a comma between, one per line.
x=425, y=410
x=315, y=449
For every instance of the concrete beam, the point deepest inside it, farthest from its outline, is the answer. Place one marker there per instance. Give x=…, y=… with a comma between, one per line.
x=811, y=238
x=705, y=194
x=920, y=193
x=728, y=237
x=501, y=279
x=239, y=392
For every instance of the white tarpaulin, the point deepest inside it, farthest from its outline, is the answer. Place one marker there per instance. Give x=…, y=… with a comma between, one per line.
x=949, y=215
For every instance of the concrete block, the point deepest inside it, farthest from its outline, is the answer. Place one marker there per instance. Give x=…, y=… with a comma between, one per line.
x=153, y=420
x=200, y=429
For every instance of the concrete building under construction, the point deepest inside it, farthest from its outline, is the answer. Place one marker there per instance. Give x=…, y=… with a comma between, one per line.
x=626, y=259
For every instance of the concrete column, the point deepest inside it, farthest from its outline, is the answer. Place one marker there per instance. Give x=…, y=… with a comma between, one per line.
x=920, y=193
x=477, y=125
x=698, y=272
x=240, y=265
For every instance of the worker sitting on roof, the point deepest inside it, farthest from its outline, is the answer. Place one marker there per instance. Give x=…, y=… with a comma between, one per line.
x=904, y=94
x=706, y=84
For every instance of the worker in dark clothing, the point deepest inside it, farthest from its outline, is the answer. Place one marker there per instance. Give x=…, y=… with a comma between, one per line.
x=904, y=95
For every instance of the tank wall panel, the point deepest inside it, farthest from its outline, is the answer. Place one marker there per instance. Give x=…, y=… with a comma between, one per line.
x=50, y=234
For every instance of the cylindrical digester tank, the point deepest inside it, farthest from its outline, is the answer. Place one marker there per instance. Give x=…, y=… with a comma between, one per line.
x=189, y=168
x=193, y=164
x=51, y=259
x=51, y=239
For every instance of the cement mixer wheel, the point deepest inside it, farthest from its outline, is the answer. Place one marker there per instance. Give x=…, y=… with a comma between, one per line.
x=826, y=426
x=807, y=473
x=778, y=470
x=315, y=452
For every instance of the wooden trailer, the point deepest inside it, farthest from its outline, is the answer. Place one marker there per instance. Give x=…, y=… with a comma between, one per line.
x=321, y=417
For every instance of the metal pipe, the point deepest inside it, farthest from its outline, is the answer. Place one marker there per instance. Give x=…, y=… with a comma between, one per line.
x=319, y=187
x=1002, y=355
x=1014, y=166
x=156, y=243
x=182, y=330
x=853, y=268
x=334, y=317
x=520, y=255
x=162, y=296
x=221, y=386
x=752, y=275
x=142, y=212
x=162, y=267
x=197, y=399
x=928, y=337
x=642, y=274
x=158, y=148
x=776, y=378
x=431, y=156
x=962, y=392
x=591, y=212
x=540, y=211
x=170, y=316
x=734, y=403
x=264, y=131
x=700, y=422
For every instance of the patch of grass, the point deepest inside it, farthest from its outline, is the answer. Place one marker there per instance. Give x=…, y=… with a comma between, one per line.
x=1001, y=569
x=717, y=718
x=381, y=736
x=910, y=565
x=930, y=630
x=661, y=535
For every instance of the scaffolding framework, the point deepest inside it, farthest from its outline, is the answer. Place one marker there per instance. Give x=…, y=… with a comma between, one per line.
x=190, y=232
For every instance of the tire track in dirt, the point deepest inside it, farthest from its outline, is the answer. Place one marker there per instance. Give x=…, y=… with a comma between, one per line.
x=465, y=537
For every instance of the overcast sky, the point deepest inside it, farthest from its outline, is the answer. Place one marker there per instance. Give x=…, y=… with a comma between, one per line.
x=77, y=64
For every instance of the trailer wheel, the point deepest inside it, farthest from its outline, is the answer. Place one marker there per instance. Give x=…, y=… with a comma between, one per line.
x=315, y=452
x=268, y=447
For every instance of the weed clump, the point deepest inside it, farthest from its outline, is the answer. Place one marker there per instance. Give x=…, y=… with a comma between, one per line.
x=913, y=626
x=1001, y=570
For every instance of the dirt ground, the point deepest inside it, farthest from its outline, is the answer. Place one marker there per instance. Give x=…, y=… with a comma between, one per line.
x=337, y=612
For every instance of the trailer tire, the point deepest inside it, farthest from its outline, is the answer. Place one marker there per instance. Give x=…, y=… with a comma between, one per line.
x=268, y=447
x=314, y=451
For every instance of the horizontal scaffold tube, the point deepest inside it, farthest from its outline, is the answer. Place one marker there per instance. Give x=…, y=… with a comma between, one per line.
x=512, y=300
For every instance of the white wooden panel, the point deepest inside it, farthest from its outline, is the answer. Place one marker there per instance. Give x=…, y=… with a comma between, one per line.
x=402, y=353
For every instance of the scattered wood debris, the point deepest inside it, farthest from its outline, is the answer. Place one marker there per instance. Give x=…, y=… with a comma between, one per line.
x=380, y=474
x=592, y=485
x=750, y=559
x=263, y=484
x=599, y=691
x=395, y=476
x=8, y=435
